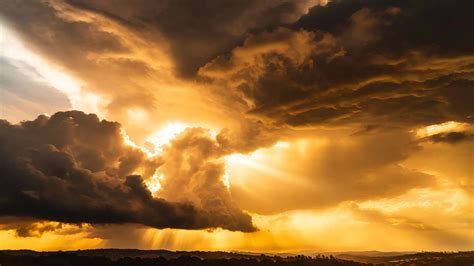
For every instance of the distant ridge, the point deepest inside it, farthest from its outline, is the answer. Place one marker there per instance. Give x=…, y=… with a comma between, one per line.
x=374, y=257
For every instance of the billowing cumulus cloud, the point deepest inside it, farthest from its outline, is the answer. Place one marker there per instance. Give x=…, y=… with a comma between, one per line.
x=74, y=168
x=193, y=172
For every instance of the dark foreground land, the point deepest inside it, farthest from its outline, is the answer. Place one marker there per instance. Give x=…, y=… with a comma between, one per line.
x=129, y=257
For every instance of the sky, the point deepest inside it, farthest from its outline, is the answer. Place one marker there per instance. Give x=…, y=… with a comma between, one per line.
x=262, y=126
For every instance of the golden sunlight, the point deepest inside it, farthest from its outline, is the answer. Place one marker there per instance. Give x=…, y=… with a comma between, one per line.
x=164, y=135
x=441, y=128
x=261, y=129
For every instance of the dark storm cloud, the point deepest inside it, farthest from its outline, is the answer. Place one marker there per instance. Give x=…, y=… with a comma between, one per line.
x=28, y=227
x=74, y=168
x=440, y=26
x=44, y=30
x=450, y=137
x=378, y=62
x=128, y=53
x=406, y=63
x=195, y=32
x=198, y=31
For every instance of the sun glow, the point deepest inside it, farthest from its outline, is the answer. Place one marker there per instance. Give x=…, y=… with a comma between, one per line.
x=137, y=115
x=154, y=183
x=441, y=128
x=237, y=163
x=164, y=136
x=158, y=139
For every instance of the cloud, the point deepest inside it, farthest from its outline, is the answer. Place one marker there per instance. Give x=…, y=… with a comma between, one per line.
x=194, y=171
x=450, y=137
x=288, y=63
x=134, y=56
x=29, y=228
x=353, y=63
x=74, y=168
x=404, y=20
x=115, y=63
x=198, y=32
x=344, y=86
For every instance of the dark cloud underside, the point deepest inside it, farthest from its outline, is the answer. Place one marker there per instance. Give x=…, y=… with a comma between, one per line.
x=373, y=62
x=198, y=31
x=74, y=168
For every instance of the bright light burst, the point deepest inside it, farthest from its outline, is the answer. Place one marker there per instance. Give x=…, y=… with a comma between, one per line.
x=154, y=183
x=440, y=128
x=164, y=136
x=158, y=139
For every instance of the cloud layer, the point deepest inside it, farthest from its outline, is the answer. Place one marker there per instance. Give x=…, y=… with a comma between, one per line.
x=356, y=62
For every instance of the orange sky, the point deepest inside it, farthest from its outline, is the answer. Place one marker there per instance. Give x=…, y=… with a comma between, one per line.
x=285, y=126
